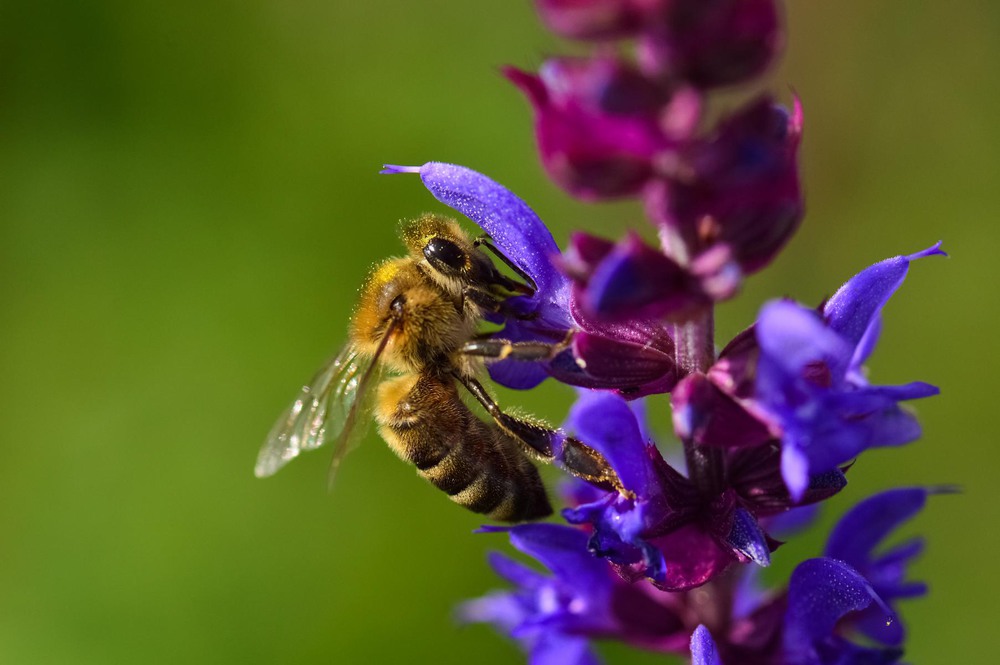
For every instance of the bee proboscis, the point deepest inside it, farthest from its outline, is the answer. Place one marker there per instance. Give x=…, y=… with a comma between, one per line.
x=413, y=337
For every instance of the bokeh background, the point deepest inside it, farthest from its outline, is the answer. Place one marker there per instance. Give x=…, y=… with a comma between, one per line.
x=188, y=202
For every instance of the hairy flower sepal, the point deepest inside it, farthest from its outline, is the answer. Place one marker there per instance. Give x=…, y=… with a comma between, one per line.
x=702, y=43
x=736, y=189
x=597, y=123
x=635, y=357
x=630, y=280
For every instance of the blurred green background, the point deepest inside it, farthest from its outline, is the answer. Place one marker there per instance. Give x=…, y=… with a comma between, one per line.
x=188, y=202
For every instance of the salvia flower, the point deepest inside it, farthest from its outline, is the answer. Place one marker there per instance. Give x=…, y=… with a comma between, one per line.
x=854, y=541
x=814, y=621
x=768, y=427
x=666, y=529
x=723, y=200
x=555, y=616
x=810, y=383
x=705, y=43
x=635, y=356
x=796, y=378
x=737, y=189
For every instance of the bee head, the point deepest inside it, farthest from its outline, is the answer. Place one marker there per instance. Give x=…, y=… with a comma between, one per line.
x=445, y=256
x=450, y=253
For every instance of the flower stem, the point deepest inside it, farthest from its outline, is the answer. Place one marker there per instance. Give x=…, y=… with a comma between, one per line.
x=695, y=352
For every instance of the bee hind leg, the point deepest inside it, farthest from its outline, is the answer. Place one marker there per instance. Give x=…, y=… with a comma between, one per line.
x=547, y=444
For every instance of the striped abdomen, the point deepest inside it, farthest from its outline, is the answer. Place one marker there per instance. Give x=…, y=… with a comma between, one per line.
x=480, y=467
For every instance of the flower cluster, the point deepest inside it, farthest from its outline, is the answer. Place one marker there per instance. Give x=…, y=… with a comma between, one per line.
x=769, y=426
x=848, y=592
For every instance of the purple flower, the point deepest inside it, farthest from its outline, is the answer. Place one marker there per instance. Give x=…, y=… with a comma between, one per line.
x=665, y=528
x=796, y=378
x=551, y=616
x=809, y=380
x=703, y=650
x=705, y=43
x=854, y=540
x=737, y=189
x=554, y=616
x=852, y=588
x=709, y=43
x=635, y=357
x=597, y=124
x=821, y=593
x=830, y=599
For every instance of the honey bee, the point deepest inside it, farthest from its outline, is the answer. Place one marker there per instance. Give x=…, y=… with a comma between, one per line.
x=414, y=336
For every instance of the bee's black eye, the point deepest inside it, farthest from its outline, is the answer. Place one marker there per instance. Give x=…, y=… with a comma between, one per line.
x=441, y=252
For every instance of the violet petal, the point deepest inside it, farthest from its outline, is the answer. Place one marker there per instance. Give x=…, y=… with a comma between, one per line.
x=703, y=650
x=605, y=422
x=514, y=227
x=563, y=550
x=821, y=591
x=556, y=648
x=855, y=306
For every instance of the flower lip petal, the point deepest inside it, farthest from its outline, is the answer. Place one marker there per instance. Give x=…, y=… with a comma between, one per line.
x=703, y=648
x=856, y=305
x=513, y=226
x=563, y=550
x=860, y=531
x=790, y=337
x=605, y=422
x=820, y=592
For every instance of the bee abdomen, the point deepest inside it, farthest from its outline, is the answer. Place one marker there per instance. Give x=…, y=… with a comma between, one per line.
x=492, y=476
x=524, y=497
x=475, y=463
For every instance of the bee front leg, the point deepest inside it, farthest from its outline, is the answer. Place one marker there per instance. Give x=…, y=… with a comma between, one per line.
x=527, y=288
x=490, y=303
x=547, y=444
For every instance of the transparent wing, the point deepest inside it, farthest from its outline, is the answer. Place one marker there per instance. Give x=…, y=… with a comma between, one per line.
x=324, y=411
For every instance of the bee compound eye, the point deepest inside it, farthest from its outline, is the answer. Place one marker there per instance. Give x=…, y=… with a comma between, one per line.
x=443, y=252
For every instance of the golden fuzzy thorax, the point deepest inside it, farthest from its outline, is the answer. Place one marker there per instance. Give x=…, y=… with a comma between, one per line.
x=429, y=326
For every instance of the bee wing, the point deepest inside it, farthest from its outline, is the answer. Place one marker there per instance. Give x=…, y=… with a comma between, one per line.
x=324, y=410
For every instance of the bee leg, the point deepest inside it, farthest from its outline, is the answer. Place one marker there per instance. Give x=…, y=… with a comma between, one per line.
x=547, y=444
x=490, y=303
x=528, y=288
x=501, y=349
